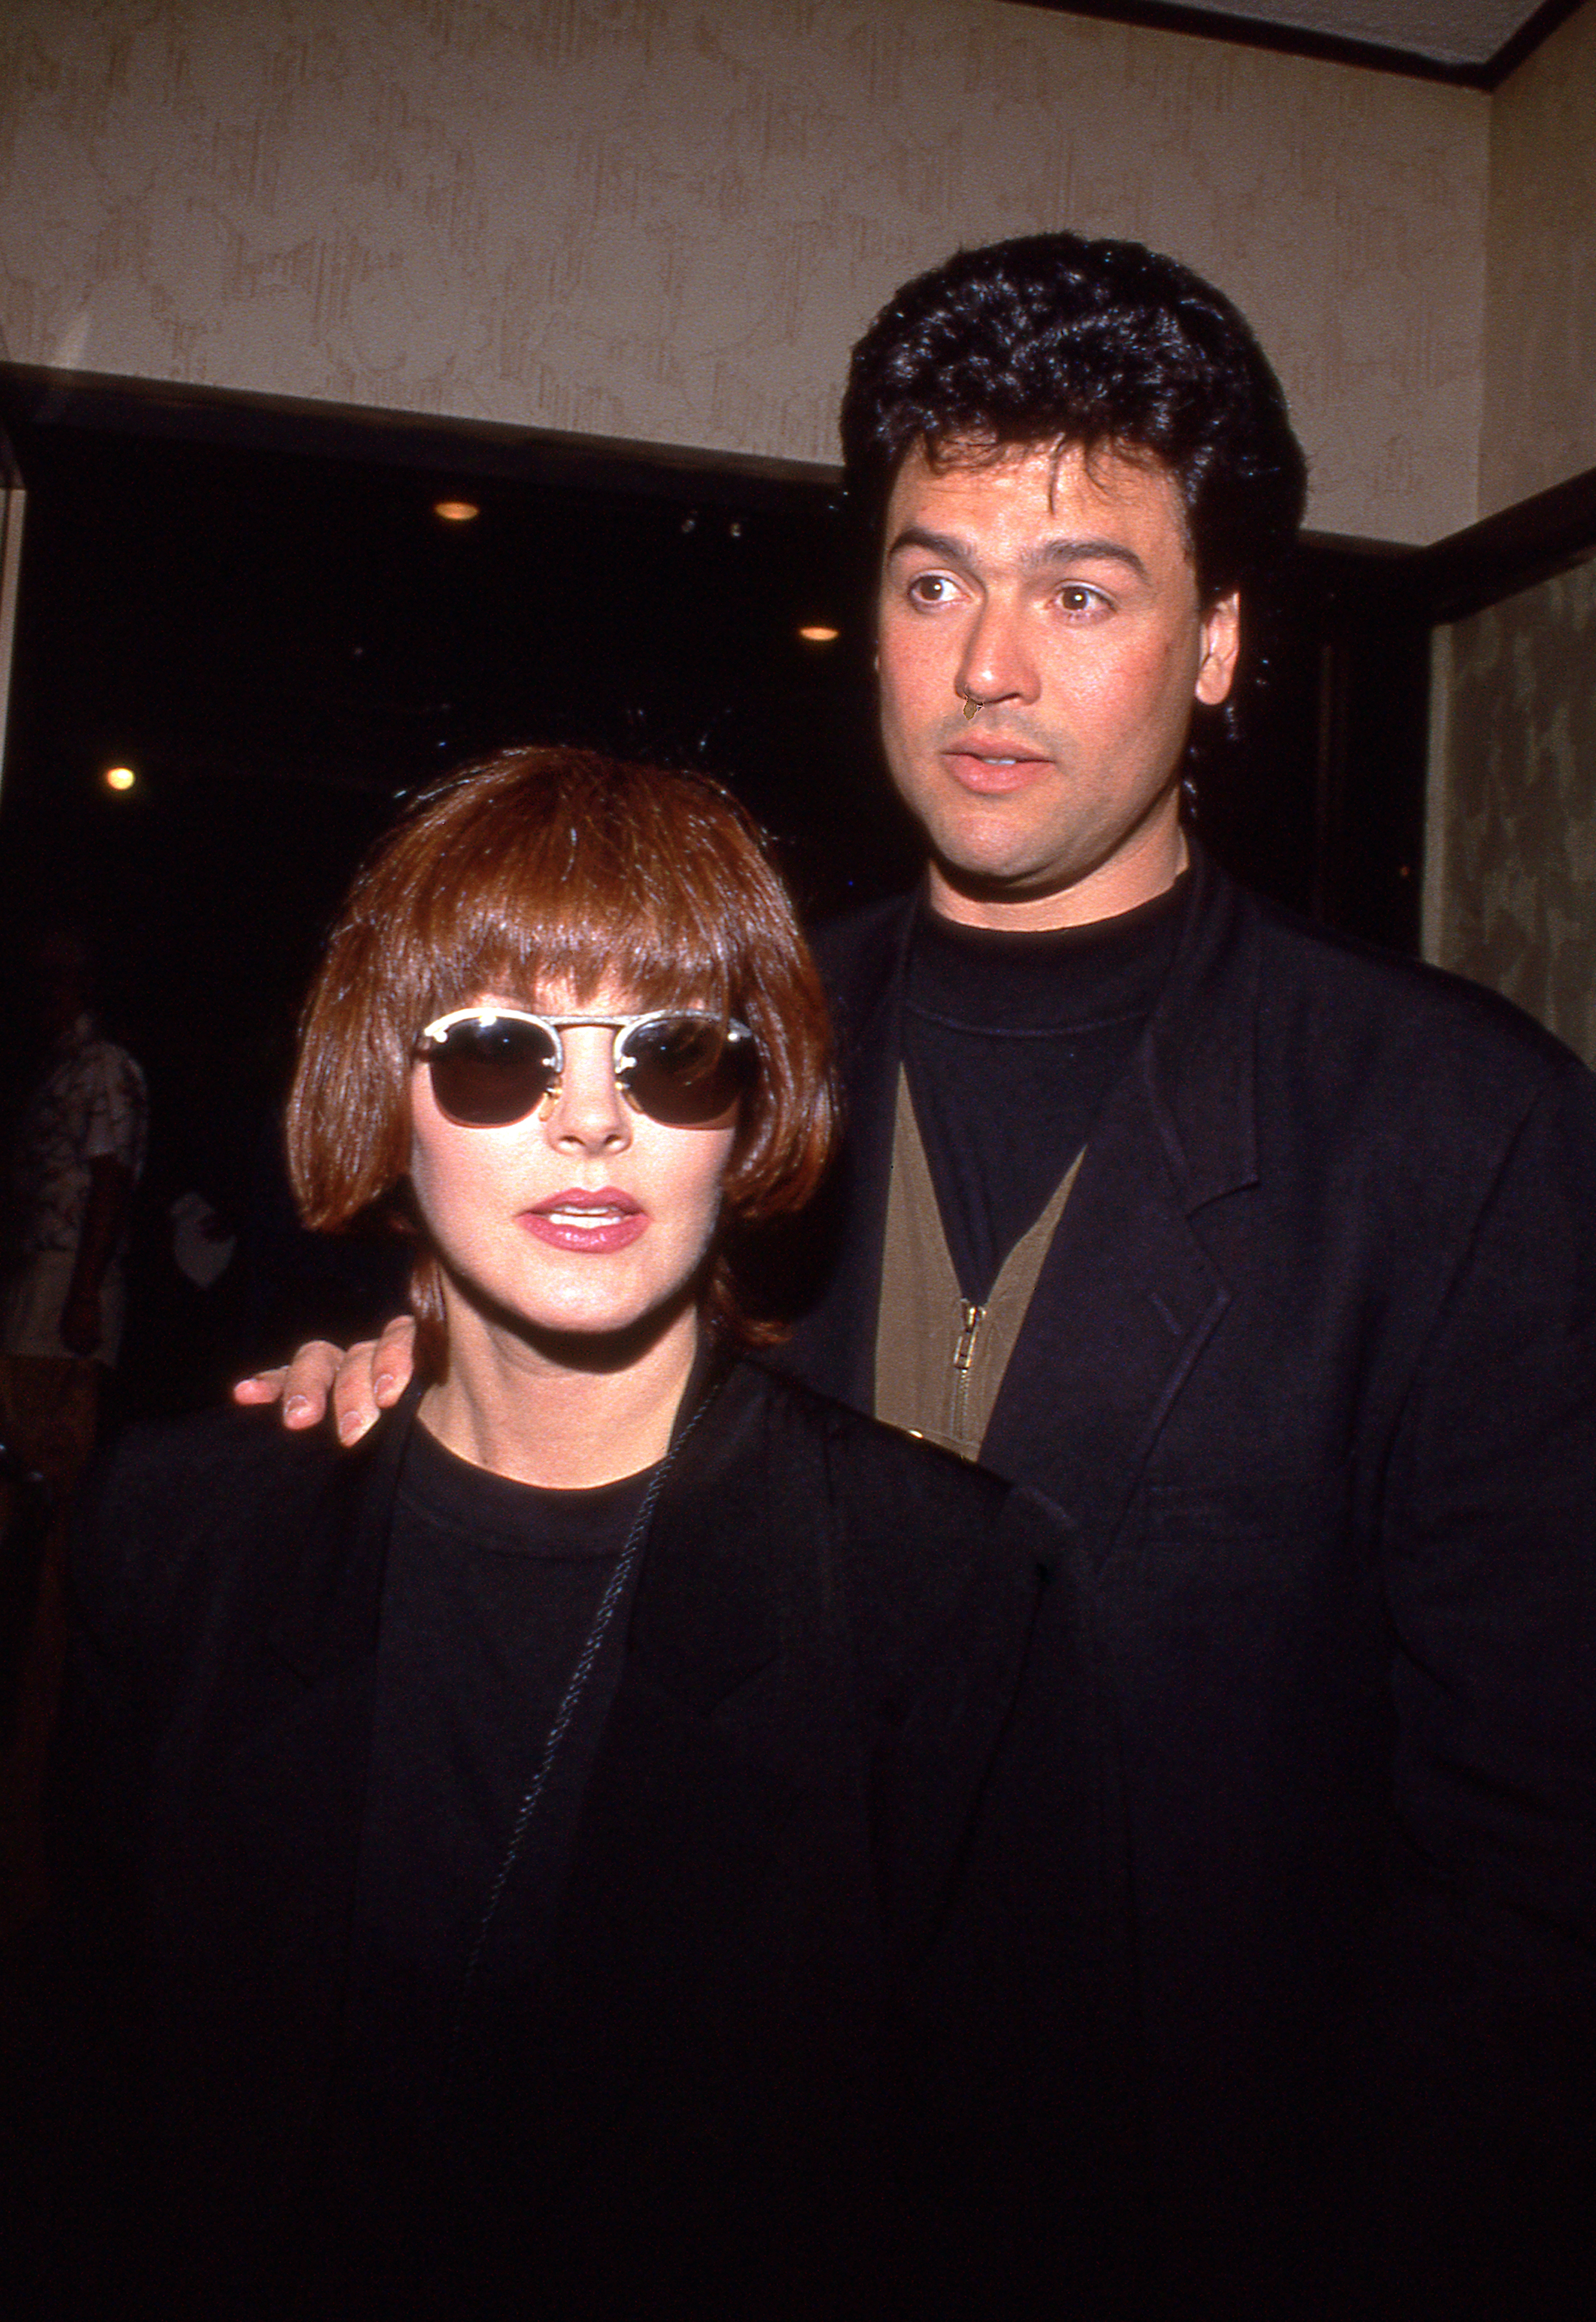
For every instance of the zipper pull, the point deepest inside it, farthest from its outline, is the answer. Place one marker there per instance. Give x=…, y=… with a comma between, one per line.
x=965, y=1352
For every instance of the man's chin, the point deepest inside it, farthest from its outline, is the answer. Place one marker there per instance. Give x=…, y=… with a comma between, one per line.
x=995, y=892
x=1011, y=891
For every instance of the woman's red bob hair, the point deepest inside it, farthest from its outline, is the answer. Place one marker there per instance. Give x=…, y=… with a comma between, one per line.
x=560, y=869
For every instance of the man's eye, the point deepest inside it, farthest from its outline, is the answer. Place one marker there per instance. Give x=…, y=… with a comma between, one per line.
x=1075, y=596
x=930, y=589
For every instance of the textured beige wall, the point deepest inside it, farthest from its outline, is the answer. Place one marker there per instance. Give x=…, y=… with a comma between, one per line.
x=1540, y=341
x=1512, y=865
x=665, y=220
x=1511, y=870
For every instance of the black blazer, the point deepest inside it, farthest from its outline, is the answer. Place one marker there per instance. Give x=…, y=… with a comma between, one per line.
x=1310, y=1375
x=750, y=1996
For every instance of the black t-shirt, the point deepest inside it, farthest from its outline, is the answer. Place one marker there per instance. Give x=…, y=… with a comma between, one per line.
x=490, y=1594
x=1011, y=1042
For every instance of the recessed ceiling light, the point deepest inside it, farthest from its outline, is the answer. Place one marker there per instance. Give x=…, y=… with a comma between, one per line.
x=120, y=777
x=456, y=511
x=816, y=634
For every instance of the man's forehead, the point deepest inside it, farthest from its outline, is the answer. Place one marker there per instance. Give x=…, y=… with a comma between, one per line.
x=1059, y=468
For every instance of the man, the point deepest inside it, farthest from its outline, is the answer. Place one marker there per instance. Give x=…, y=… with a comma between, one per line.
x=1271, y=1262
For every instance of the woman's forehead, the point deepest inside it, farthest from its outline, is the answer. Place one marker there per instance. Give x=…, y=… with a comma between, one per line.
x=554, y=997
x=603, y=983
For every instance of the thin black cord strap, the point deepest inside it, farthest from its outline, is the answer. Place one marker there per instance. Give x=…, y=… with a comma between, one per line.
x=566, y=1710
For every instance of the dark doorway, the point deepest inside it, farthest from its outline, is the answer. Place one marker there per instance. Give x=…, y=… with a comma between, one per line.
x=284, y=640
x=259, y=611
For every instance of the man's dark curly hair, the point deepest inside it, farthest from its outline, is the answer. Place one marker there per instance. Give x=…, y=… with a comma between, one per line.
x=1053, y=340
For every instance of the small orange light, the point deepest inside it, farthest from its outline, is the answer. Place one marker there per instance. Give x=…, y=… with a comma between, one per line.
x=120, y=777
x=818, y=634
x=456, y=511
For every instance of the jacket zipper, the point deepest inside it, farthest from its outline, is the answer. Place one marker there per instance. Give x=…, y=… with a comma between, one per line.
x=963, y=1356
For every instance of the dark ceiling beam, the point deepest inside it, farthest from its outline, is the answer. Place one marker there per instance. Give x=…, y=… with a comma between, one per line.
x=1514, y=549
x=37, y=395
x=1329, y=48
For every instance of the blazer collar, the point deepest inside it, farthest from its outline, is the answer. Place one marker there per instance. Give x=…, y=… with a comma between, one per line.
x=1198, y=1059
x=705, y=1618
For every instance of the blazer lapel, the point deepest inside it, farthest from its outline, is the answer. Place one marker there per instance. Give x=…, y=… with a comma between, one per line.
x=256, y=1873
x=677, y=1793
x=285, y=1727
x=1128, y=1295
x=661, y=1963
x=1114, y=1327
x=841, y=1237
x=327, y=1620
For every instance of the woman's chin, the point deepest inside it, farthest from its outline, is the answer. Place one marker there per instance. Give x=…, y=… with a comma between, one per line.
x=588, y=1336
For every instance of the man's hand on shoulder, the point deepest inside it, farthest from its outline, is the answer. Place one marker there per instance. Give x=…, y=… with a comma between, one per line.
x=361, y=1382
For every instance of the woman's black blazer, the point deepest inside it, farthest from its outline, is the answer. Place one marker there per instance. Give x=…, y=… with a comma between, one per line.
x=784, y=1937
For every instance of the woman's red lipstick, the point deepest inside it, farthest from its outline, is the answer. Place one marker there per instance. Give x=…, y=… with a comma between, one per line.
x=594, y=1223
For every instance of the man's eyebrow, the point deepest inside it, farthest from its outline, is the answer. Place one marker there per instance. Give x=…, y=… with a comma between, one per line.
x=934, y=543
x=1085, y=550
x=1068, y=549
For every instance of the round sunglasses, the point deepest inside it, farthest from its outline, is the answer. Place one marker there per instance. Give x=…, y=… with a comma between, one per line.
x=490, y=1066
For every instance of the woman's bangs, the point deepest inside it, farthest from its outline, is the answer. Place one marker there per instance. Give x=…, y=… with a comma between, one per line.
x=644, y=956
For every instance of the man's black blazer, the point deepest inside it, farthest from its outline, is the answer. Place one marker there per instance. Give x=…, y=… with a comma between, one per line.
x=692, y=2102
x=1310, y=1374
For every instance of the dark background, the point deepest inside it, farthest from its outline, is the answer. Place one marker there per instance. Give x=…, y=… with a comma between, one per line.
x=259, y=611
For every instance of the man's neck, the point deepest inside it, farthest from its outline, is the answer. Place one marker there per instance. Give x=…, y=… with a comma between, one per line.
x=1122, y=885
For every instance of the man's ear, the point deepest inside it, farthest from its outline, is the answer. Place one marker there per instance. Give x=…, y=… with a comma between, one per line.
x=1221, y=642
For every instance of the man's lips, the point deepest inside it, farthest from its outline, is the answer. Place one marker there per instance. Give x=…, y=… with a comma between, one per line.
x=578, y=1220
x=992, y=768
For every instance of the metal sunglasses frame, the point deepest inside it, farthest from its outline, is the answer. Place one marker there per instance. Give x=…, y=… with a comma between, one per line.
x=432, y=1036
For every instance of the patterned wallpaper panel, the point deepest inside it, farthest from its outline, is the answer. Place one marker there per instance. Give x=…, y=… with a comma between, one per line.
x=666, y=220
x=1512, y=876
x=1540, y=341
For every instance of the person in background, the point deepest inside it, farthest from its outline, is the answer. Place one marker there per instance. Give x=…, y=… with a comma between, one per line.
x=78, y=1154
x=525, y=1867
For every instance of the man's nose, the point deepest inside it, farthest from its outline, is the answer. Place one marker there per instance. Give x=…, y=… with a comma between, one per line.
x=997, y=663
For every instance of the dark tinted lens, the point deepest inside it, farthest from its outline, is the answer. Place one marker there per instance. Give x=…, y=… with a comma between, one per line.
x=487, y=1075
x=683, y=1072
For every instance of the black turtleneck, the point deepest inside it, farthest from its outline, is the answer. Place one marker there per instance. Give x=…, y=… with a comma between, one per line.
x=1011, y=1042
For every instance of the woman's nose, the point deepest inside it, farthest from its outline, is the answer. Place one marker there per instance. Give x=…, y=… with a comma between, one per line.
x=588, y=1112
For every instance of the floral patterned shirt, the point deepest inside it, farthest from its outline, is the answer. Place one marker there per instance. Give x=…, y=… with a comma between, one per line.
x=91, y=1104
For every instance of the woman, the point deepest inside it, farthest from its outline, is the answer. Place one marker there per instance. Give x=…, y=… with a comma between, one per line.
x=520, y=1843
